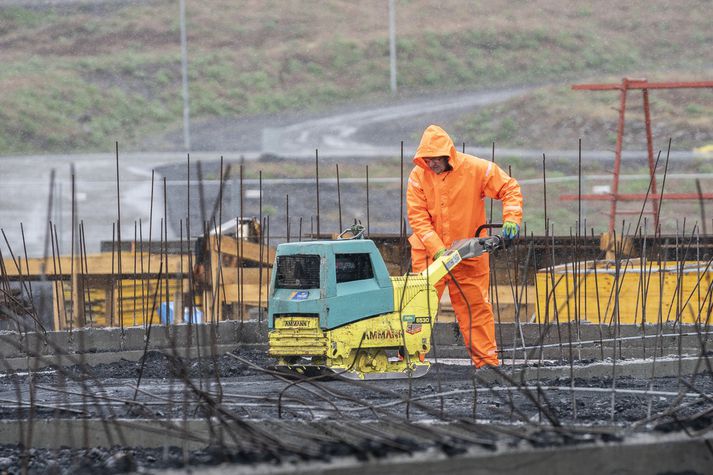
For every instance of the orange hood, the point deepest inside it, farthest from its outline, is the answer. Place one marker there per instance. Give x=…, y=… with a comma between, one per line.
x=435, y=142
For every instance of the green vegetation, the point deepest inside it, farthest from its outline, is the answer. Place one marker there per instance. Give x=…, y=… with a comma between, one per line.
x=556, y=117
x=14, y=17
x=76, y=79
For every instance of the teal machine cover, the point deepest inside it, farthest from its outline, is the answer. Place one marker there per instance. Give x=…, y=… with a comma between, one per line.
x=340, y=281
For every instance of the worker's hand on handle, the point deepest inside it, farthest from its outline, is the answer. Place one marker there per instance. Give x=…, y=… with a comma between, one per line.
x=511, y=230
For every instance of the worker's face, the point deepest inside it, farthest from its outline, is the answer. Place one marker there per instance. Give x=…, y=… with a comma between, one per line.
x=437, y=164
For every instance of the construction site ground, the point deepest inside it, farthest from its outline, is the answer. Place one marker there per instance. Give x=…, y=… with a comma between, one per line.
x=227, y=407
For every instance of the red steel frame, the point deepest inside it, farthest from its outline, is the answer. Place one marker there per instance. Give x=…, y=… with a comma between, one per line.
x=614, y=196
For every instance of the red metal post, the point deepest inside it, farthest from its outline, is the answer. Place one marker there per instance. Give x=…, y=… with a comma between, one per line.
x=617, y=154
x=650, y=153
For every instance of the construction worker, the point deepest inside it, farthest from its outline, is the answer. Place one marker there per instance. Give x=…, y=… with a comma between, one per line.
x=446, y=202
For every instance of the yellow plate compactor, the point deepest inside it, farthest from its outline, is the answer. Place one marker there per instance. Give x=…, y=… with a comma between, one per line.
x=334, y=309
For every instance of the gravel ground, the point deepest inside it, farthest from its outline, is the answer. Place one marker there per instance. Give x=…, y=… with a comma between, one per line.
x=445, y=395
x=447, y=385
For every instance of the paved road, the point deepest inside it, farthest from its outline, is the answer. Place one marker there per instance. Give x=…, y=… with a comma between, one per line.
x=25, y=191
x=376, y=131
x=364, y=129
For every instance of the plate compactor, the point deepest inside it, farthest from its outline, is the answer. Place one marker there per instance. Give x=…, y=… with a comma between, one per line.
x=334, y=309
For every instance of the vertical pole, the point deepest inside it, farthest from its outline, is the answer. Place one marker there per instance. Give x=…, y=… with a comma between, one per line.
x=118, y=240
x=339, y=202
x=702, y=205
x=617, y=155
x=547, y=227
x=580, y=229
x=241, y=244
x=58, y=221
x=544, y=197
x=191, y=296
x=201, y=195
x=58, y=294
x=179, y=304
x=113, y=276
x=267, y=240
x=262, y=250
x=237, y=268
x=316, y=174
x=88, y=295
x=27, y=266
x=144, y=284
x=490, y=202
x=164, y=257
x=184, y=77
x=48, y=229
x=402, y=224
x=133, y=250
x=219, y=239
x=650, y=156
x=392, y=45
x=74, y=276
x=367, y=201
x=287, y=217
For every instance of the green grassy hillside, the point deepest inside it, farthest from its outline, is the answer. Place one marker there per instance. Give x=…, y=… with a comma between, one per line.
x=77, y=78
x=555, y=117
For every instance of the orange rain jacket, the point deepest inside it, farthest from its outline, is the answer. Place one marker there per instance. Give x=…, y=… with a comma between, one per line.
x=450, y=206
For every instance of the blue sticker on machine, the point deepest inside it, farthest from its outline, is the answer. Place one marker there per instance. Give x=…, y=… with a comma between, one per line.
x=301, y=295
x=455, y=259
x=408, y=318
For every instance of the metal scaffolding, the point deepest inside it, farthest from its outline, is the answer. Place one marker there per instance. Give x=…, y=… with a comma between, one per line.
x=652, y=196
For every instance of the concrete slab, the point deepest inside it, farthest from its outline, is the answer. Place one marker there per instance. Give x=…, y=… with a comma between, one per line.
x=587, y=352
x=447, y=343
x=637, y=453
x=98, y=339
x=668, y=367
x=93, y=359
x=642, y=454
x=59, y=342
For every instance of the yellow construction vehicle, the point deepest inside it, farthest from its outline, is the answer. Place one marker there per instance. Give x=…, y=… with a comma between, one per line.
x=334, y=309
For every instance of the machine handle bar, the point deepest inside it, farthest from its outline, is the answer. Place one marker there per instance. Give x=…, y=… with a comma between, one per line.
x=487, y=226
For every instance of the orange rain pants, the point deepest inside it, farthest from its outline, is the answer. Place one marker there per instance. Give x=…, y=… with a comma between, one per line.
x=446, y=207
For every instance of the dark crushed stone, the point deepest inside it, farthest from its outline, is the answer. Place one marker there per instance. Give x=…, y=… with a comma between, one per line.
x=158, y=365
x=117, y=460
